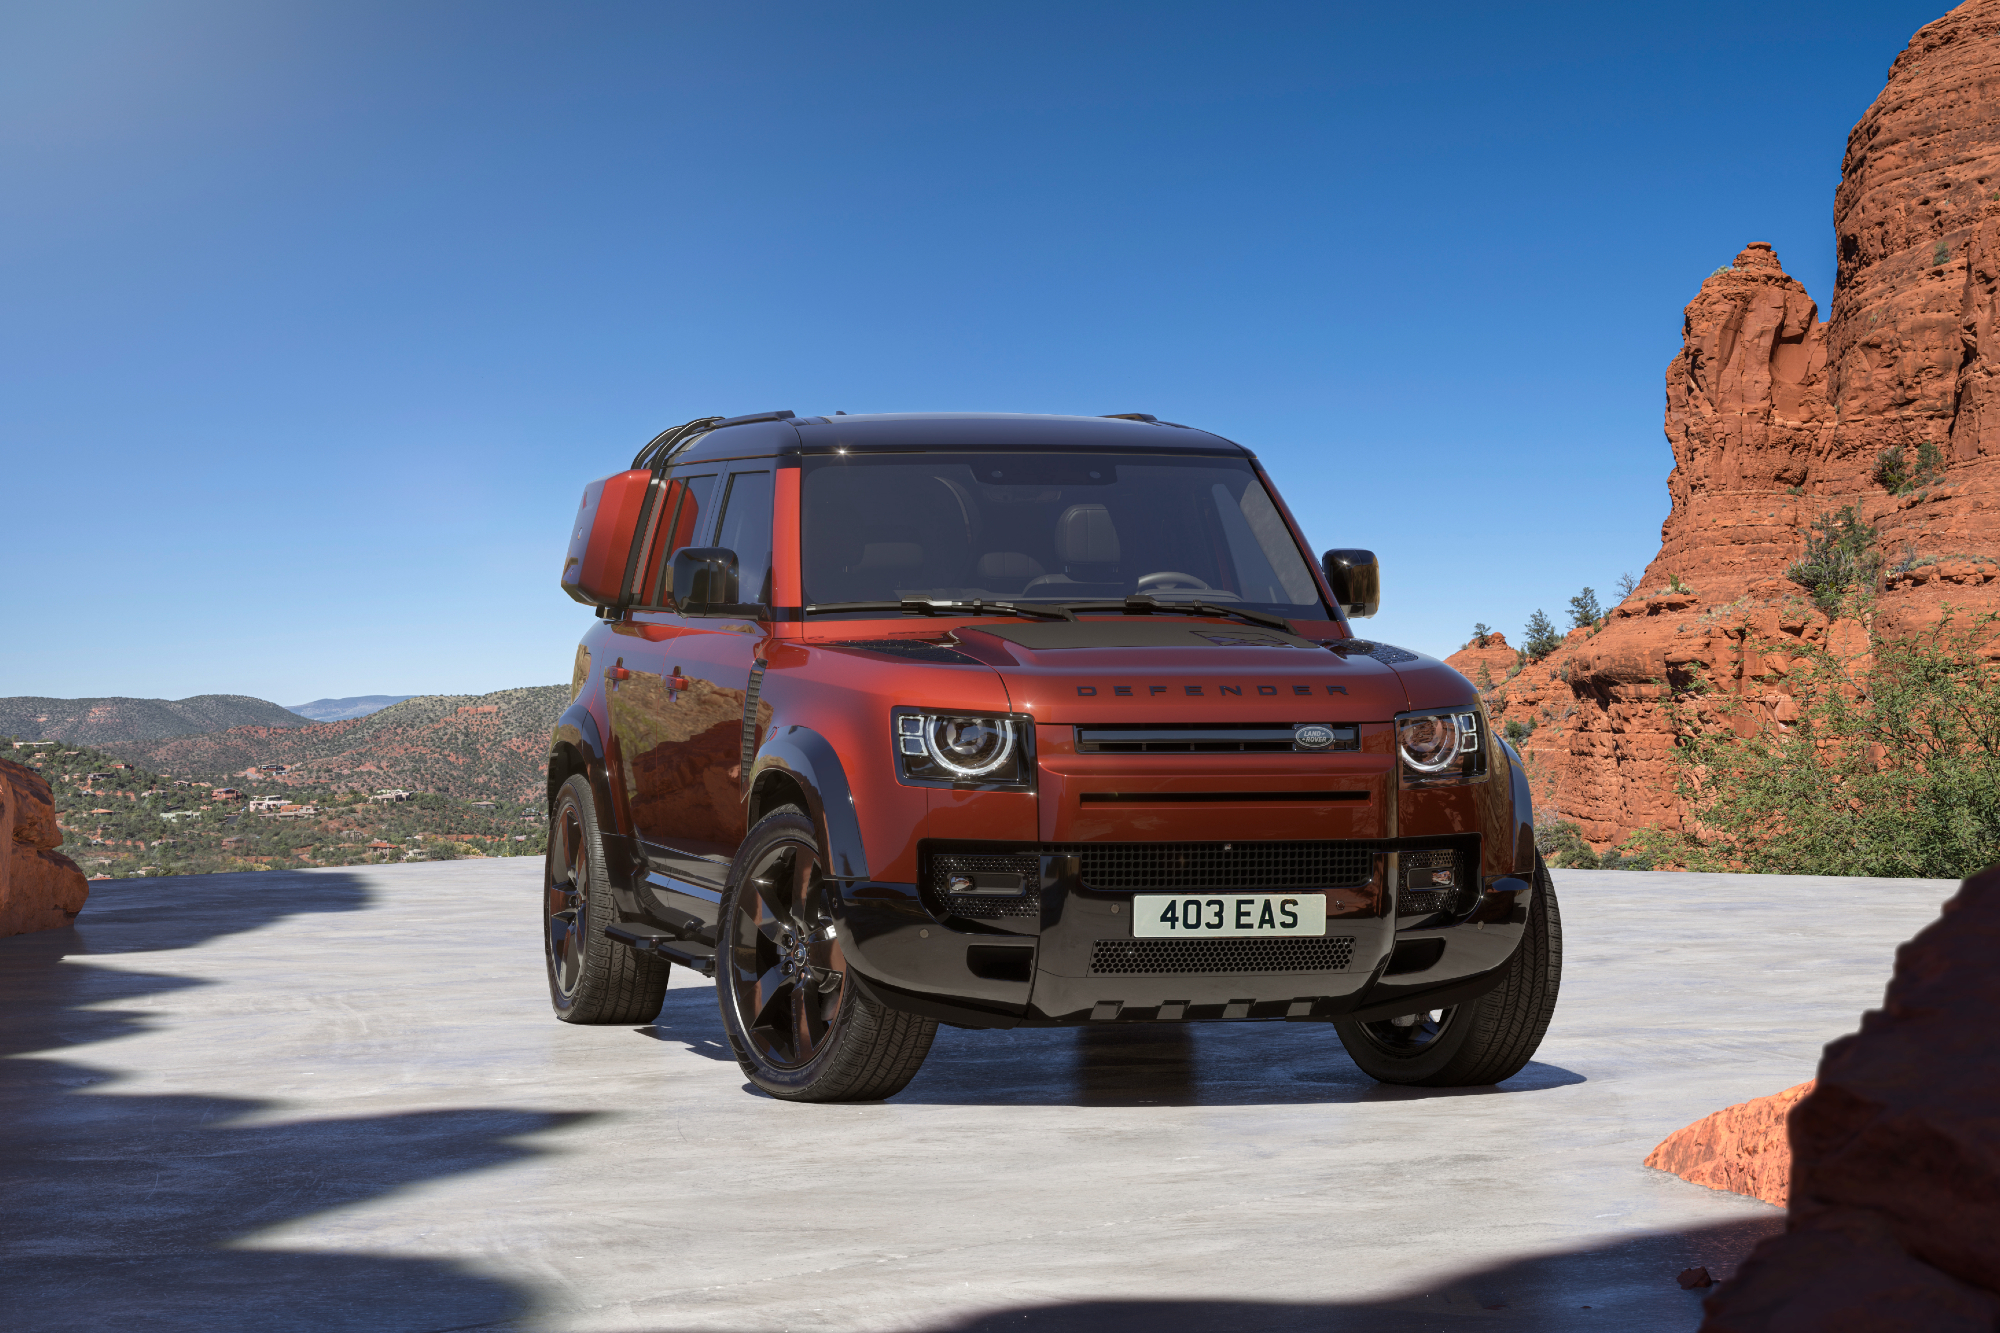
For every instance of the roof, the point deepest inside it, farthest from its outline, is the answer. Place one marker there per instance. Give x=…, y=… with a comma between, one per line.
x=892, y=431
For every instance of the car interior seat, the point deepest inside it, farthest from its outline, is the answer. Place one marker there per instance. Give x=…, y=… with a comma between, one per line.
x=1086, y=542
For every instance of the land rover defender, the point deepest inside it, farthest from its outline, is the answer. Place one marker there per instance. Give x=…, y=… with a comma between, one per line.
x=991, y=720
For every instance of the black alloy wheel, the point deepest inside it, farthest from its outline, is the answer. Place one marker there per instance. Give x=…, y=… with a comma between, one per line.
x=1409, y=1034
x=785, y=964
x=802, y=1026
x=568, y=905
x=592, y=978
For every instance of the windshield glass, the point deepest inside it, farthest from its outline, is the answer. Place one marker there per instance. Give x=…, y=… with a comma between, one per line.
x=1046, y=527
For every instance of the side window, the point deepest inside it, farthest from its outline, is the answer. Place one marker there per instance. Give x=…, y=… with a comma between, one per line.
x=746, y=530
x=683, y=514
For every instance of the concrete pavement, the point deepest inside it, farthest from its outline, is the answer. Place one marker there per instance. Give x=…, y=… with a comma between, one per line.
x=335, y=1099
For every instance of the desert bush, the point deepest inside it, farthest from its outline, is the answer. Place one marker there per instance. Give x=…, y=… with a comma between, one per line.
x=1894, y=472
x=1894, y=774
x=1839, y=559
x=1562, y=845
x=1518, y=731
x=1584, y=610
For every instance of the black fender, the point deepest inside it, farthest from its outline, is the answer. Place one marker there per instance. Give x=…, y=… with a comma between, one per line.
x=808, y=761
x=575, y=746
x=1523, y=811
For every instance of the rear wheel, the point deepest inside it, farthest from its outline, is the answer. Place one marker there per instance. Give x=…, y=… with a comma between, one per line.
x=592, y=979
x=801, y=1027
x=1481, y=1041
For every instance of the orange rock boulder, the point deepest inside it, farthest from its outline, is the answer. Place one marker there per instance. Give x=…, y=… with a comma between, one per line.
x=1490, y=655
x=40, y=888
x=1895, y=1192
x=1741, y=1148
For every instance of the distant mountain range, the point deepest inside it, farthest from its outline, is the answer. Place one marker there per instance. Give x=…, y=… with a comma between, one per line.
x=490, y=746
x=339, y=710
x=108, y=721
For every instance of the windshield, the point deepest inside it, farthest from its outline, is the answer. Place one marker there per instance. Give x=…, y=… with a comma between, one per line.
x=1047, y=527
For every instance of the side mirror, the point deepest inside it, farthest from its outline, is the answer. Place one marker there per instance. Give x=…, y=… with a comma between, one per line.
x=600, y=543
x=1356, y=580
x=704, y=580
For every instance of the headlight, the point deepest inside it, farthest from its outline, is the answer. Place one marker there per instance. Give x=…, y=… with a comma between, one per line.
x=963, y=748
x=1441, y=745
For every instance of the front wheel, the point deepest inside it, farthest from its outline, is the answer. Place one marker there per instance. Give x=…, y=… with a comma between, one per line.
x=1481, y=1041
x=800, y=1025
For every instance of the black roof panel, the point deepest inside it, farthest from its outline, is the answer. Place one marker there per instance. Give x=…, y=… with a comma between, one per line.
x=952, y=430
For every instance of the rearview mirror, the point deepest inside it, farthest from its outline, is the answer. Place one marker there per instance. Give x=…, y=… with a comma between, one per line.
x=1356, y=580
x=705, y=582
x=600, y=544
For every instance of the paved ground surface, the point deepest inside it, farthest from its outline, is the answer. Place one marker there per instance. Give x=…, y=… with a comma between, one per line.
x=336, y=1100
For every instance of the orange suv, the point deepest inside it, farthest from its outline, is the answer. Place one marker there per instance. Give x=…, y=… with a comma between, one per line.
x=995, y=721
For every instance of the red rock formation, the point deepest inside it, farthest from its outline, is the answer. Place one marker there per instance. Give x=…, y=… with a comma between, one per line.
x=1895, y=1204
x=1776, y=420
x=1741, y=1148
x=40, y=888
x=1493, y=655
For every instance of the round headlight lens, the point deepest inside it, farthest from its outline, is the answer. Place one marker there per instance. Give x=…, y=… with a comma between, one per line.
x=969, y=747
x=1429, y=744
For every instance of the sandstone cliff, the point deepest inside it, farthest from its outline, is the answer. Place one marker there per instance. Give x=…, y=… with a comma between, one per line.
x=40, y=888
x=1777, y=419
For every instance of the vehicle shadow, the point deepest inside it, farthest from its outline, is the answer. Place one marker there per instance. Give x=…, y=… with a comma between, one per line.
x=689, y=1017
x=1629, y=1285
x=125, y=1209
x=1171, y=1064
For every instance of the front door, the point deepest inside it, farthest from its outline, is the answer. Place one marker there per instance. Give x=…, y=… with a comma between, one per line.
x=683, y=714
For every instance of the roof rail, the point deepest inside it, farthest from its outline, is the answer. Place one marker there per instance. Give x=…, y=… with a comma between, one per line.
x=754, y=416
x=1131, y=416
x=661, y=446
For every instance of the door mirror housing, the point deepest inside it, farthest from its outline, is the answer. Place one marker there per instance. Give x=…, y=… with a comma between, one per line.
x=705, y=582
x=598, y=567
x=1356, y=580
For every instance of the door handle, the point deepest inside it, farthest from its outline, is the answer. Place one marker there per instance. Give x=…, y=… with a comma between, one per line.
x=617, y=671
x=677, y=681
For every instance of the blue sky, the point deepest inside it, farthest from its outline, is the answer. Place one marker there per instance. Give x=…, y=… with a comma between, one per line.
x=318, y=316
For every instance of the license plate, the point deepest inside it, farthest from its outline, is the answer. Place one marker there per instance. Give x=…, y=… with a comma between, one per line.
x=1215, y=915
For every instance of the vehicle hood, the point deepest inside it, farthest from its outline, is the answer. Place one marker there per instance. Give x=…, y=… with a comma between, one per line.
x=1151, y=669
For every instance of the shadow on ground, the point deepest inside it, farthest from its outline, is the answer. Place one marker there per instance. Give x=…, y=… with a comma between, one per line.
x=122, y=1208
x=1627, y=1285
x=1124, y=1064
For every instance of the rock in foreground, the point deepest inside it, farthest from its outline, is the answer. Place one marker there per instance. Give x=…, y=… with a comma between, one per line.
x=1895, y=1202
x=1741, y=1148
x=40, y=888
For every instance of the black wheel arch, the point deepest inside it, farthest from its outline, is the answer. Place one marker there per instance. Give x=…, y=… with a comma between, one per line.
x=798, y=766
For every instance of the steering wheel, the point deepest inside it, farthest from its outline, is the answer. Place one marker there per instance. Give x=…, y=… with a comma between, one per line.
x=1168, y=580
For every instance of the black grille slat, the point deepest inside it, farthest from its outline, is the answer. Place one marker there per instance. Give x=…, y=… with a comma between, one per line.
x=982, y=905
x=1166, y=957
x=1201, y=738
x=1228, y=866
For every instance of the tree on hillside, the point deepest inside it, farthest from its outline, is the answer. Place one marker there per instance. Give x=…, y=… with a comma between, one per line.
x=1627, y=585
x=1584, y=610
x=1479, y=635
x=1541, y=638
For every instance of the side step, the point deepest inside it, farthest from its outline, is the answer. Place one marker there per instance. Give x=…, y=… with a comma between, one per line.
x=653, y=940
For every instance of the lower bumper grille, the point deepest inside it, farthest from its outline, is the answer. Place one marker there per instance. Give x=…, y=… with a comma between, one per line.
x=1238, y=866
x=986, y=906
x=1160, y=957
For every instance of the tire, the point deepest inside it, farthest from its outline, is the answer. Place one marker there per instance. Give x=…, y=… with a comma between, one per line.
x=592, y=978
x=1482, y=1041
x=801, y=1027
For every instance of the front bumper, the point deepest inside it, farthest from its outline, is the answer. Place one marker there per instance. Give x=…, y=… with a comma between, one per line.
x=1066, y=954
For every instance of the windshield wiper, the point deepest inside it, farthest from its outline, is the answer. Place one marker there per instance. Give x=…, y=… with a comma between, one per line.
x=1141, y=605
x=924, y=606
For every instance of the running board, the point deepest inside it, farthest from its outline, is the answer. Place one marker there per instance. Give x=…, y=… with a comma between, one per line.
x=653, y=940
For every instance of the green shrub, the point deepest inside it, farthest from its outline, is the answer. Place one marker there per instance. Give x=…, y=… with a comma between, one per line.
x=1584, y=610
x=1897, y=774
x=1518, y=731
x=1562, y=845
x=1839, y=559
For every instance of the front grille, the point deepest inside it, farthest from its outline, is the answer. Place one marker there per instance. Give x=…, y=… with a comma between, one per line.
x=1206, y=738
x=988, y=906
x=1157, y=957
x=1223, y=865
